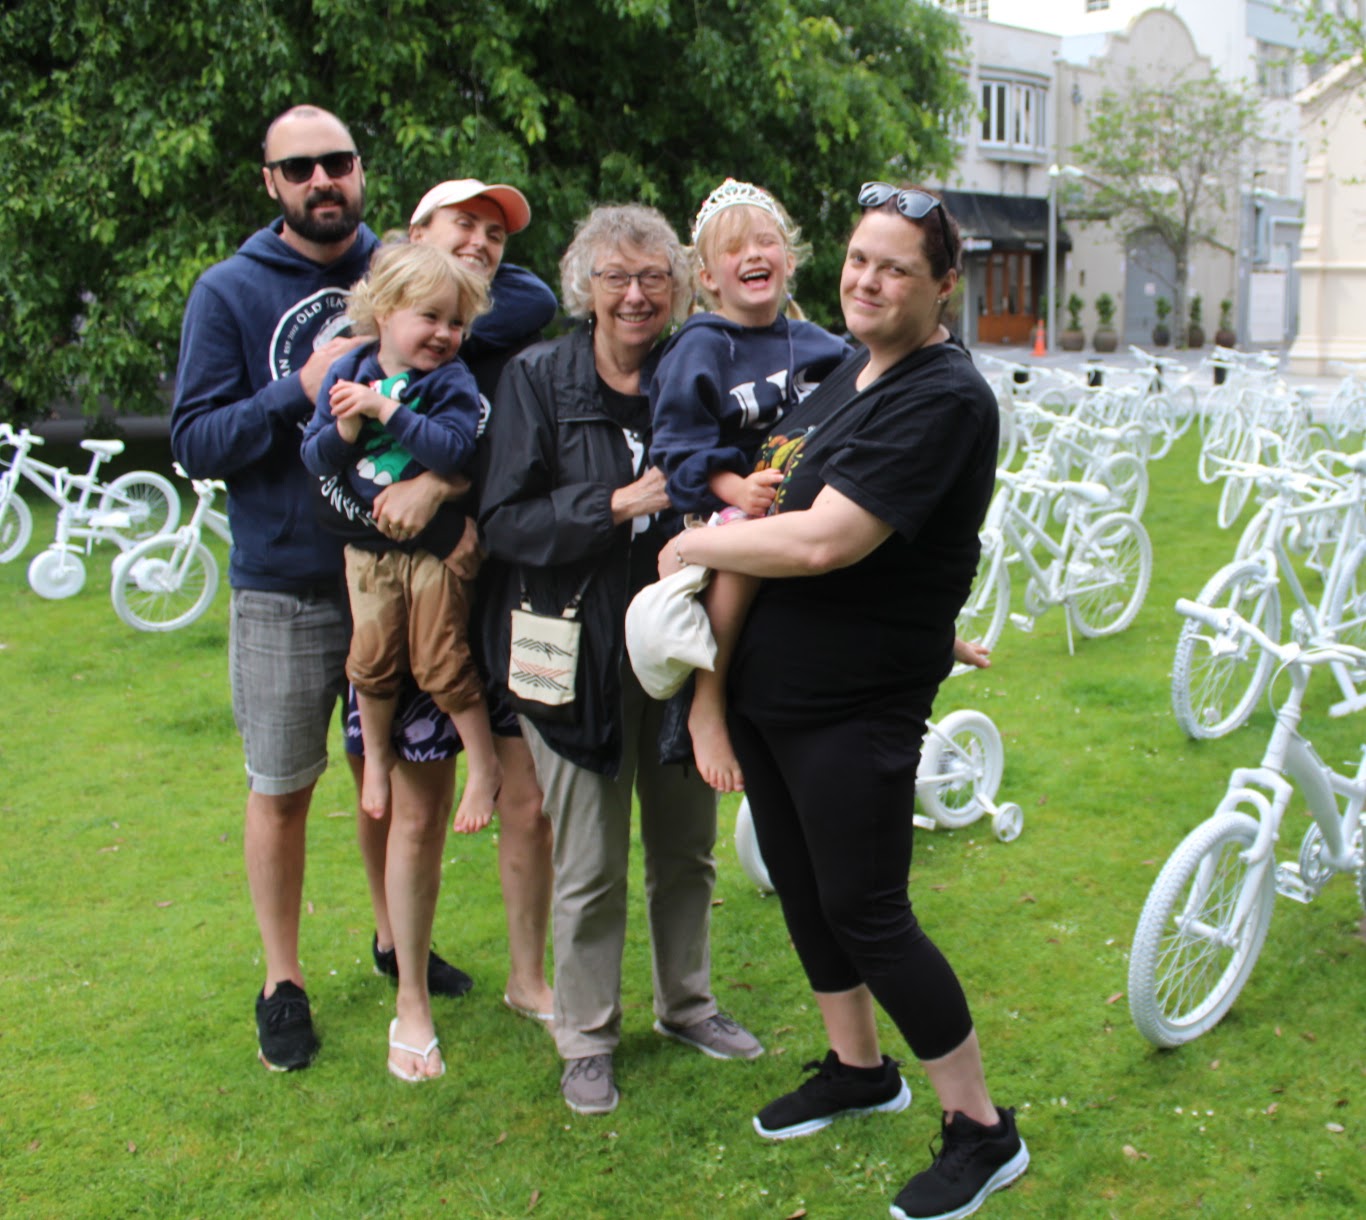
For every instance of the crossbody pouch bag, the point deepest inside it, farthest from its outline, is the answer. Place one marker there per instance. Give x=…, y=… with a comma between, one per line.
x=543, y=660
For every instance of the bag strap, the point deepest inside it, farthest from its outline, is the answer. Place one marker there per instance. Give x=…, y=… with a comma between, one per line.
x=572, y=609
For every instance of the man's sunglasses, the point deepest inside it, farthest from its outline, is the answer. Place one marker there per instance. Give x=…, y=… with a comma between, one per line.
x=912, y=204
x=299, y=170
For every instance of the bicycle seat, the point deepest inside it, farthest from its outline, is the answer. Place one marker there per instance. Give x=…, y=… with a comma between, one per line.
x=103, y=448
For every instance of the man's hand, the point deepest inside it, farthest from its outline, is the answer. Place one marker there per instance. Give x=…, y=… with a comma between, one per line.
x=402, y=510
x=311, y=375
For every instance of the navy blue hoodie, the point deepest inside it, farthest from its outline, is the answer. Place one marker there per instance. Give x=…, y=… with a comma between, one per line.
x=720, y=387
x=251, y=323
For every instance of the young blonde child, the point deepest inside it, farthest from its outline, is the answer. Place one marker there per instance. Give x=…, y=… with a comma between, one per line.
x=385, y=412
x=723, y=383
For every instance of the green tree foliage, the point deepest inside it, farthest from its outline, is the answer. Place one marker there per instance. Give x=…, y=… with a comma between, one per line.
x=1166, y=156
x=130, y=137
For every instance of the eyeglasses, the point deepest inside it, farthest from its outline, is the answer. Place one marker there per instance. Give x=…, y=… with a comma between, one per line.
x=651, y=282
x=912, y=204
x=299, y=170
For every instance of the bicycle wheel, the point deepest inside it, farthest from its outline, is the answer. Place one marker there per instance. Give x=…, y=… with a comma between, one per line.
x=1346, y=600
x=983, y=616
x=1233, y=498
x=163, y=584
x=151, y=502
x=1127, y=478
x=1250, y=540
x=1216, y=681
x=747, y=849
x=1160, y=417
x=16, y=528
x=55, y=574
x=961, y=764
x=1108, y=574
x=1189, y=959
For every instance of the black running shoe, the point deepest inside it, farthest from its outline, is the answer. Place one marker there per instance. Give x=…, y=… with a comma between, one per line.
x=831, y=1093
x=284, y=1028
x=972, y=1161
x=442, y=977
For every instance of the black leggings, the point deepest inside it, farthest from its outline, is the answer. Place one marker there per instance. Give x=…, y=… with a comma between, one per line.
x=832, y=808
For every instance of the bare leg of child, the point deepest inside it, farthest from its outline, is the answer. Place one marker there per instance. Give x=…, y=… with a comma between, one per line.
x=483, y=771
x=727, y=601
x=376, y=727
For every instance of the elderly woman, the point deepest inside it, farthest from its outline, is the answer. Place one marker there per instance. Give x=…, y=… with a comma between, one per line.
x=568, y=511
x=473, y=220
x=889, y=468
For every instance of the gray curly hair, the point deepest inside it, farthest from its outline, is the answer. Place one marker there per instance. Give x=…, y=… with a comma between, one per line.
x=605, y=230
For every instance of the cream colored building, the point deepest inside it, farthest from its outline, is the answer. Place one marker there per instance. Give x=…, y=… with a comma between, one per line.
x=1332, y=265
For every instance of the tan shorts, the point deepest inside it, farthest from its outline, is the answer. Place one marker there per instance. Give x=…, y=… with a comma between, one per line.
x=410, y=614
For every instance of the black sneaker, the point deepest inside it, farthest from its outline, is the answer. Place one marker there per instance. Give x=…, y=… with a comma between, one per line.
x=442, y=977
x=284, y=1027
x=972, y=1161
x=831, y=1093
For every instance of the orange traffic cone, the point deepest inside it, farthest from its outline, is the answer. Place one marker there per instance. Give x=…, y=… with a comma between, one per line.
x=1039, y=348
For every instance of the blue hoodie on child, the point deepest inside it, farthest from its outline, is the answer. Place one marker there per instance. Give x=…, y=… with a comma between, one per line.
x=720, y=387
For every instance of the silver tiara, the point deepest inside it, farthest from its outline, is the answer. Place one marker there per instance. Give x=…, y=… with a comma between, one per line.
x=731, y=194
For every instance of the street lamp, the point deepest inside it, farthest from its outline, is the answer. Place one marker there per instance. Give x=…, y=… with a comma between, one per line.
x=1051, y=314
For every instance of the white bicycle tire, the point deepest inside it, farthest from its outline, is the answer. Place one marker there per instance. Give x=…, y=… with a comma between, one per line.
x=1181, y=986
x=56, y=574
x=1126, y=475
x=983, y=616
x=152, y=498
x=1214, y=692
x=747, y=849
x=160, y=586
x=16, y=528
x=1346, y=600
x=961, y=764
x=1108, y=574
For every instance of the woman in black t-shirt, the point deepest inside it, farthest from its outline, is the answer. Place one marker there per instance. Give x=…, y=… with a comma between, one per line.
x=889, y=468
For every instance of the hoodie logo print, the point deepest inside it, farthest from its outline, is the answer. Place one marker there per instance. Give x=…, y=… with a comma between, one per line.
x=305, y=327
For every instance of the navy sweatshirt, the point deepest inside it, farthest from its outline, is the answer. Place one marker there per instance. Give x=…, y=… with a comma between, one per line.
x=720, y=388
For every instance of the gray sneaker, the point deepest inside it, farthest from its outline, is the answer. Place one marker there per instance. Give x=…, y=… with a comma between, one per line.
x=717, y=1036
x=588, y=1085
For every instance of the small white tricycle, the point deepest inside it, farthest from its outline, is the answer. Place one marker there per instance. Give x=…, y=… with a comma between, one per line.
x=962, y=760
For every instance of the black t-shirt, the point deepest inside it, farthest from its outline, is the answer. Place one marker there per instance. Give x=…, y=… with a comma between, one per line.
x=632, y=413
x=917, y=449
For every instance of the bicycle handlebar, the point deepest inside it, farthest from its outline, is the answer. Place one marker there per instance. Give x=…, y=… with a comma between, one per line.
x=1228, y=622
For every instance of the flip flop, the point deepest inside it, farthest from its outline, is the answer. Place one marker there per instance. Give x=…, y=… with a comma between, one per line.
x=530, y=1013
x=416, y=1077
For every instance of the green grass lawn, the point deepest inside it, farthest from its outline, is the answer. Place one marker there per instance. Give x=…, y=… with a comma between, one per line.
x=130, y=958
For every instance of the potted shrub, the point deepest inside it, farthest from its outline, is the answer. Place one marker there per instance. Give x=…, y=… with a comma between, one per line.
x=1162, y=334
x=1225, y=336
x=1106, y=338
x=1195, y=332
x=1073, y=339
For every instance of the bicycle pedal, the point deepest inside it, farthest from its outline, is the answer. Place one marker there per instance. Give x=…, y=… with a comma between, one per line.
x=1289, y=884
x=1023, y=621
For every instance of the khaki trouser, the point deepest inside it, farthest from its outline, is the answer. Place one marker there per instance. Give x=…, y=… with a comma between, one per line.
x=591, y=816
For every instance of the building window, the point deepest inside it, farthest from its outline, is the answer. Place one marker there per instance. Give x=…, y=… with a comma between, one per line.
x=968, y=8
x=1013, y=115
x=1275, y=70
x=1097, y=6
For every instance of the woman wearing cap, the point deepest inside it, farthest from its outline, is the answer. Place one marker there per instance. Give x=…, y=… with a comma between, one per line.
x=472, y=221
x=569, y=509
x=889, y=466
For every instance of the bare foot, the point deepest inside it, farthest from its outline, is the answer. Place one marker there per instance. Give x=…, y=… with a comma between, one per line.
x=407, y=1044
x=537, y=1002
x=374, y=784
x=478, y=799
x=716, y=761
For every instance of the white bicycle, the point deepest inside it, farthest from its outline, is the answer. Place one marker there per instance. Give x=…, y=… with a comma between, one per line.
x=1207, y=915
x=962, y=760
x=124, y=511
x=167, y=582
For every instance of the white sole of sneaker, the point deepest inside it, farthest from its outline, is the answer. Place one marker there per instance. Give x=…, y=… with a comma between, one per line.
x=999, y=1180
x=811, y=1126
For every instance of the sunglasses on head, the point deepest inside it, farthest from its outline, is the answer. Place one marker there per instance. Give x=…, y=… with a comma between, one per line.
x=299, y=170
x=912, y=204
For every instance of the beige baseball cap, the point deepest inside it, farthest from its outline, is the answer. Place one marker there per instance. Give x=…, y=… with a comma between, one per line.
x=513, y=203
